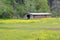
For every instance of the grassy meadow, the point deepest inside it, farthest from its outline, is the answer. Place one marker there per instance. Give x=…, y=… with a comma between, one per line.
x=37, y=29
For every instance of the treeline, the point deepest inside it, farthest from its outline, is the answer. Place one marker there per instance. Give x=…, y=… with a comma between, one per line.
x=55, y=7
x=18, y=8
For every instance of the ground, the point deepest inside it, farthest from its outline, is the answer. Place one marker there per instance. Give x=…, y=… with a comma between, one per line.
x=43, y=29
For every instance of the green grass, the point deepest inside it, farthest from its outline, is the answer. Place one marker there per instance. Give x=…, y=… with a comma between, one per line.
x=17, y=34
x=30, y=31
x=30, y=26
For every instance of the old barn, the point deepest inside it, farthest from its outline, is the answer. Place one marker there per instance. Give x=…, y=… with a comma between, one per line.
x=37, y=15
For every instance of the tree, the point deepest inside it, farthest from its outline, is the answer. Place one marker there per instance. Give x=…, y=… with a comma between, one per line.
x=18, y=8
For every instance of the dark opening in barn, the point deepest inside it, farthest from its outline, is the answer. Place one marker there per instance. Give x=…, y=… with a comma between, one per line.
x=28, y=16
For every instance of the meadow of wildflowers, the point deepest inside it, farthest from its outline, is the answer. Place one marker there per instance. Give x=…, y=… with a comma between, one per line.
x=29, y=35
x=43, y=20
x=19, y=21
x=37, y=29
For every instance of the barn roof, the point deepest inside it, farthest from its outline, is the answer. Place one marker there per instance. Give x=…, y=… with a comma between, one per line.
x=40, y=13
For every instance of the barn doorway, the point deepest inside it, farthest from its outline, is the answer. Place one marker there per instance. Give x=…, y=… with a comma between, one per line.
x=28, y=16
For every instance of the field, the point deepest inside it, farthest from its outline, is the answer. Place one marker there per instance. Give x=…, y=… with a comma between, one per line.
x=41, y=29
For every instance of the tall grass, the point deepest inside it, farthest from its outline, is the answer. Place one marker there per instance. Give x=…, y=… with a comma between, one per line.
x=16, y=29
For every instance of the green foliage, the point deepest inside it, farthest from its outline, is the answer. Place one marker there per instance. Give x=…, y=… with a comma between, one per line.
x=54, y=14
x=15, y=9
x=37, y=6
x=42, y=6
